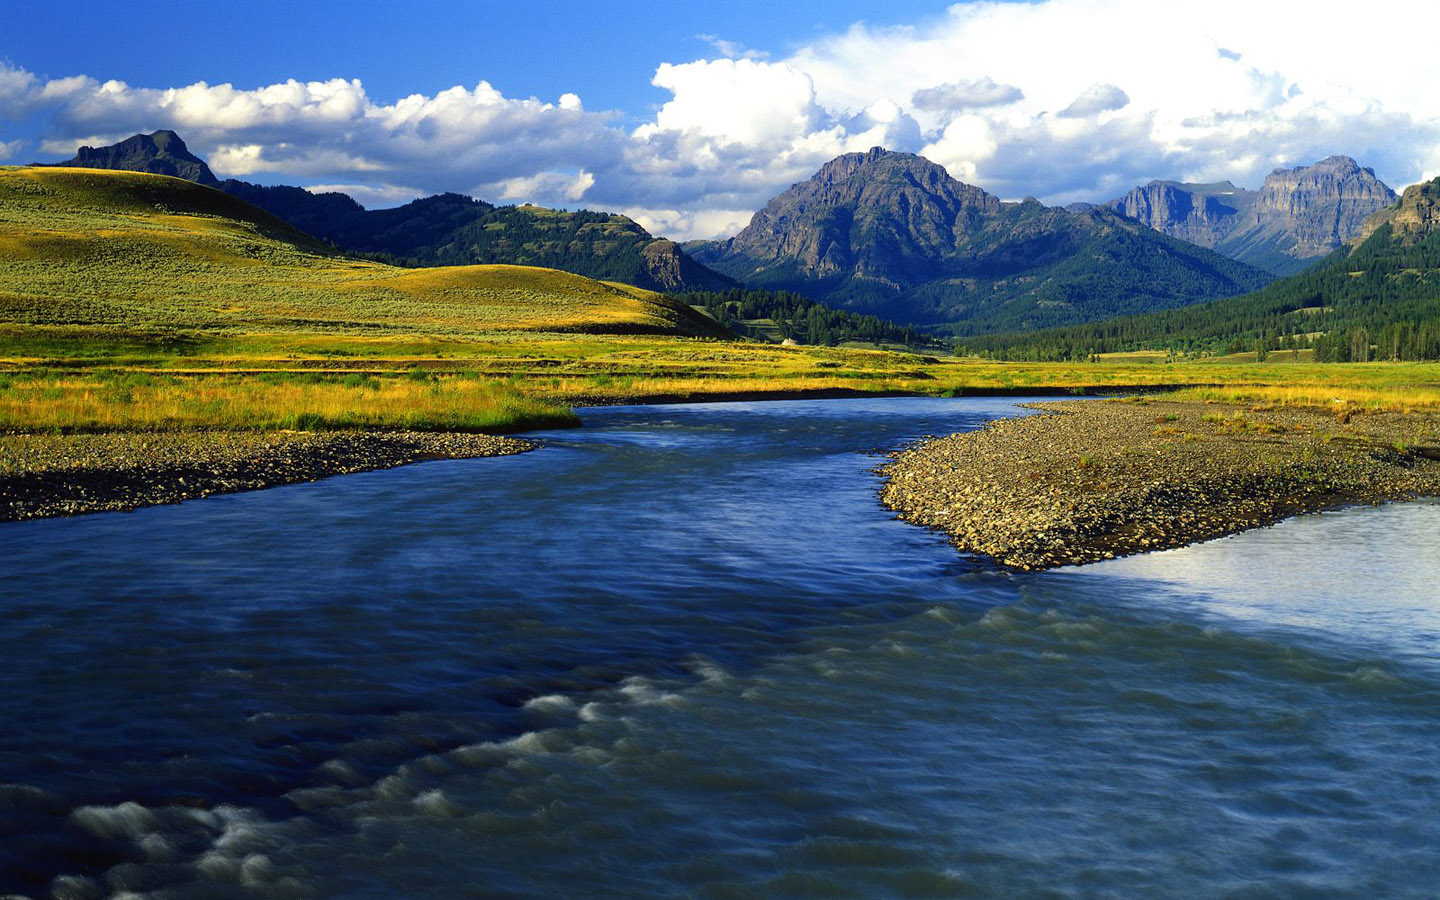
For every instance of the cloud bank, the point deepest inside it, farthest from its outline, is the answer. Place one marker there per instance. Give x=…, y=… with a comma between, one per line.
x=1062, y=99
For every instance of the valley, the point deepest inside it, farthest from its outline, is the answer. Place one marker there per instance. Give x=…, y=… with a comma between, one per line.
x=950, y=449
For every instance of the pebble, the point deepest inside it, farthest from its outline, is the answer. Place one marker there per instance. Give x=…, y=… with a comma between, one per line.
x=59, y=475
x=1096, y=479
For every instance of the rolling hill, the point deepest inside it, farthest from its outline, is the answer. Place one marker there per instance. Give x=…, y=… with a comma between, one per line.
x=442, y=230
x=85, y=247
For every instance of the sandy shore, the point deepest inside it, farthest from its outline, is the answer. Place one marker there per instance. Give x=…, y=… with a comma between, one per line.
x=60, y=475
x=1091, y=480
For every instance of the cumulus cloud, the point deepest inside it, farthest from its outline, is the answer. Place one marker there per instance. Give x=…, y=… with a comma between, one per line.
x=703, y=223
x=1095, y=99
x=743, y=101
x=370, y=195
x=960, y=95
x=334, y=132
x=569, y=187
x=988, y=89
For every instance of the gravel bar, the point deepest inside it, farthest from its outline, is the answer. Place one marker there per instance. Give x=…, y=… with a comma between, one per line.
x=62, y=475
x=1092, y=480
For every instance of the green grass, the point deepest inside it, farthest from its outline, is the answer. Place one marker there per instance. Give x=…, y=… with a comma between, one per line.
x=133, y=301
x=147, y=253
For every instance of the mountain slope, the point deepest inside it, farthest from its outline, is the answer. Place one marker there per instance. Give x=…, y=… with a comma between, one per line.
x=1199, y=213
x=1378, y=298
x=1297, y=217
x=450, y=229
x=112, y=248
x=893, y=234
x=443, y=230
x=159, y=153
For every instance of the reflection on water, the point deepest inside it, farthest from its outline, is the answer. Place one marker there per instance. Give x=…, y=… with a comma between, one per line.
x=1361, y=575
x=684, y=652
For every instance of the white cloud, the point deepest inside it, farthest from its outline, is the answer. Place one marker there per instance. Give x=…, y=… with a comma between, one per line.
x=371, y=196
x=1095, y=99
x=960, y=95
x=10, y=148
x=995, y=91
x=731, y=49
x=741, y=101
x=705, y=224
x=570, y=187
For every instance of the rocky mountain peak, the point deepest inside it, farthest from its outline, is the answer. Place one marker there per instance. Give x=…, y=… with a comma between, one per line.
x=159, y=153
x=1199, y=213
x=892, y=233
x=1417, y=215
x=880, y=215
x=1321, y=205
x=1299, y=215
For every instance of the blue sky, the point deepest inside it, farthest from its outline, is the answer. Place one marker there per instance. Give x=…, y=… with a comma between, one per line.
x=690, y=115
x=606, y=52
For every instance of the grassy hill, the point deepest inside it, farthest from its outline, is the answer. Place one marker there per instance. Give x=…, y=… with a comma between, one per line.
x=453, y=230
x=84, y=247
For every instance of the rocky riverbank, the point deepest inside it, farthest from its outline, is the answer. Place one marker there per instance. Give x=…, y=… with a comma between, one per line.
x=1091, y=480
x=59, y=475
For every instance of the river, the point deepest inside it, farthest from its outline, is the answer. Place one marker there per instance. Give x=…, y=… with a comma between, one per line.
x=684, y=652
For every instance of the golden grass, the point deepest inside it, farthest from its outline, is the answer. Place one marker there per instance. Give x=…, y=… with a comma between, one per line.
x=95, y=402
x=81, y=246
x=1391, y=397
x=202, y=305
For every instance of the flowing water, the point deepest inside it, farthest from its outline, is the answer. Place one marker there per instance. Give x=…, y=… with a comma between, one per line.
x=683, y=652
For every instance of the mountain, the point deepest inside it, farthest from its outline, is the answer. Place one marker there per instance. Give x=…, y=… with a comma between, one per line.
x=1202, y=214
x=893, y=234
x=1413, y=219
x=451, y=230
x=160, y=153
x=1375, y=298
x=443, y=230
x=1298, y=216
x=136, y=253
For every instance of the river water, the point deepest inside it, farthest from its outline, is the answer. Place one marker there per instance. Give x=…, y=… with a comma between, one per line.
x=683, y=652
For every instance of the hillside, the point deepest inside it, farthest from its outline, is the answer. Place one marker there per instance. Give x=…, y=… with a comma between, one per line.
x=110, y=248
x=442, y=230
x=893, y=234
x=1297, y=217
x=1376, y=299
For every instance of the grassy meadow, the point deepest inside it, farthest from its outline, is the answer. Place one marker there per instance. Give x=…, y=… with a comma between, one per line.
x=138, y=302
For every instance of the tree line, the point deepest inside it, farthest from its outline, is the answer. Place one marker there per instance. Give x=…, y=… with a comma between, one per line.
x=1380, y=302
x=802, y=319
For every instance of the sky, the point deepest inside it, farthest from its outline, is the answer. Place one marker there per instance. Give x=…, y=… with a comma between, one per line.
x=690, y=115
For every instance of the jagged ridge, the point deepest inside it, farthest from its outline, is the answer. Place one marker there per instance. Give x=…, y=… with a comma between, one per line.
x=1297, y=217
x=893, y=234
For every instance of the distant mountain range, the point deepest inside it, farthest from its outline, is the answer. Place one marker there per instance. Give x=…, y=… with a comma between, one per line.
x=892, y=234
x=447, y=229
x=1297, y=217
x=1375, y=298
x=882, y=233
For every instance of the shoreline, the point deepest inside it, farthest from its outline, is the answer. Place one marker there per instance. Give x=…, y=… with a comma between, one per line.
x=48, y=476
x=1097, y=390
x=1085, y=481
x=1068, y=486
